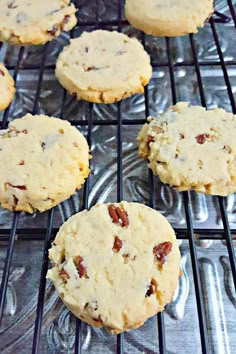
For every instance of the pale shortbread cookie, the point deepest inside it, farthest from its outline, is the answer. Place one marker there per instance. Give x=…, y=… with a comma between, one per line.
x=7, y=89
x=115, y=265
x=168, y=17
x=103, y=66
x=191, y=148
x=35, y=22
x=43, y=161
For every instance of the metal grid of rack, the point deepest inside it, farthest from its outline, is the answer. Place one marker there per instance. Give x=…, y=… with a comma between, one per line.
x=187, y=233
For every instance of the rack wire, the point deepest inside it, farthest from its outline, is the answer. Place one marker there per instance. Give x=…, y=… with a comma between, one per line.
x=187, y=233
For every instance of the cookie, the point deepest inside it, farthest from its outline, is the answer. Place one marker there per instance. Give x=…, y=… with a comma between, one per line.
x=45, y=159
x=167, y=17
x=115, y=265
x=35, y=22
x=7, y=89
x=191, y=148
x=103, y=67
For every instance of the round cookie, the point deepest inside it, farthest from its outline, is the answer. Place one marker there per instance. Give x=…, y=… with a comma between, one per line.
x=192, y=149
x=103, y=66
x=7, y=89
x=115, y=265
x=167, y=17
x=35, y=22
x=45, y=159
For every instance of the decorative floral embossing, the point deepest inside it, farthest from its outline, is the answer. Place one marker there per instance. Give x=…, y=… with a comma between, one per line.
x=10, y=304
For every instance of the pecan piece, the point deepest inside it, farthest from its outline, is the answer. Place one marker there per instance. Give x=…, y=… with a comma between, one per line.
x=161, y=251
x=12, y=5
x=127, y=257
x=118, y=215
x=24, y=131
x=151, y=288
x=91, y=68
x=15, y=202
x=227, y=149
x=2, y=72
x=150, y=139
x=79, y=263
x=22, y=188
x=53, y=31
x=21, y=163
x=202, y=138
x=64, y=275
x=66, y=19
x=98, y=321
x=181, y=136
x=117, y=244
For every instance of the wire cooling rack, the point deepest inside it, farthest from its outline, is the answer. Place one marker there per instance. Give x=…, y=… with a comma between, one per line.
x=189, y=232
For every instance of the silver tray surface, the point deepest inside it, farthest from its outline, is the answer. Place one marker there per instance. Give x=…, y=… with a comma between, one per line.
x=180, y=316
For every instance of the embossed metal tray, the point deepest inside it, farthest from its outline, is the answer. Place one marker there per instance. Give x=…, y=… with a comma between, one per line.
x=201, y=318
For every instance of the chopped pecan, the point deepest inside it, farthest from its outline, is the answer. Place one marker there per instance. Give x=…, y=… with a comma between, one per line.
x=79, y=263
x=24, y=131
x=227, y=149
x=127, y=258
x=161, y=251
x=118, y=215
x=66, y=19
x=21, y=163
x=202, y=138
x=15, y=202
x=98, y=320
x=181, y=136
x=23, y=188
x=12, y=5
x=53, y=31
x=150, y=139
x=90, y=68
x=93, y=68
x=117, y=244
x=2, y=72
x=64, y=275
x=151, y=288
